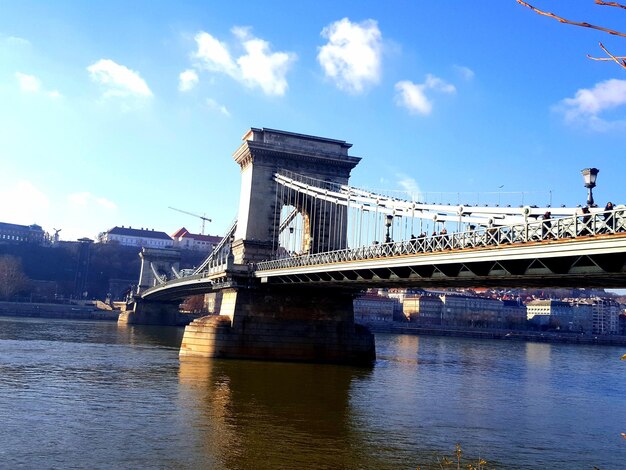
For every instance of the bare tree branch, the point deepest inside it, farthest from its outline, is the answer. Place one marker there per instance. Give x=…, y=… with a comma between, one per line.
x=610, y=4
x=575, y=23
x=619, y=60
x=621, y=63
x=604, y=59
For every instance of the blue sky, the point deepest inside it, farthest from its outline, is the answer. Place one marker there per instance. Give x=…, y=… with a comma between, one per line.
x=110, y=112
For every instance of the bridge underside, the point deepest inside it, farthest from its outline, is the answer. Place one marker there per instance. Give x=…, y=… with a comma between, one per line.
x=575, y=263
x=487, y=274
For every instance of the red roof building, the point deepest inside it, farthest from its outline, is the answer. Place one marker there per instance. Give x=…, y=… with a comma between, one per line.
x=184, y=239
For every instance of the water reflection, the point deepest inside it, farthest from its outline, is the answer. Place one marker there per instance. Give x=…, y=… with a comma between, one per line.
x=538, y=354
x=262, y=415
x=73, y=393
x=167, y=336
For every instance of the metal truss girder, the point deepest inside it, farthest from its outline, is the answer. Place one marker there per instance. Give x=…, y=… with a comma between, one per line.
x=480, y=268
x=517, y=267
x=382, y=273
x=537, y=268
x=324, y=276
x=351, y=275
x=450, y=270
x=302, y=277
x=424, y=271
x=560, y=265
x=498, y=271
x=439, y=274
x=465, y=272
x=583, y=262
x=336, y=275
x=612, y=263
x=314, y=277
x=365, y=273
x=401, y=272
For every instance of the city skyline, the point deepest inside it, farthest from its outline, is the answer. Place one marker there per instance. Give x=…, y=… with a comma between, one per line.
x=112, y=114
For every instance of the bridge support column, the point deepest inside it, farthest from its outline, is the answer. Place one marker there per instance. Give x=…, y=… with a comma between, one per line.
x=285, y=324
x=155, y=313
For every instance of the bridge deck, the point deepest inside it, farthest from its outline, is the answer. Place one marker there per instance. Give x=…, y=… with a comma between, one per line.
x=590, y=260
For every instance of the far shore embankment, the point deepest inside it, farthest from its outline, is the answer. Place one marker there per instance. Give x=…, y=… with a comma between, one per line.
x=60, y=311
x=510, y=335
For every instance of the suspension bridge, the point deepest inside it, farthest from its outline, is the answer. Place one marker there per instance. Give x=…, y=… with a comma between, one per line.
x=304, y=241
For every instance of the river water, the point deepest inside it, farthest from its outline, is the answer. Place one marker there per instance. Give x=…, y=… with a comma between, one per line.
x=78, y=394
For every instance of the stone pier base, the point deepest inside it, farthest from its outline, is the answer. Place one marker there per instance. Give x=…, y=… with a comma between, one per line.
x=155, y=313
x=304, y=325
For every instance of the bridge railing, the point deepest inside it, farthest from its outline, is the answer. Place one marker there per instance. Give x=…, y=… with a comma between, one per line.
x=581, y=225
x=211, y=269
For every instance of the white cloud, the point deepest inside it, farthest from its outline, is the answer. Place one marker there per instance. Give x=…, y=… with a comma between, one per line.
x=258, y=67
x=588, y=104
x=31, y=84
x=412, y=96
x=261, y=67
x=212, y=104
x=214, y=55
x=28, y=203
x=28, y=83
x=352, y=56
x=465, y=72
x=78, y=215
x=187, y=80
x=105, y=203
x=79, y=199
x=14, y=41
x=83, y=214
x=409, y=185
x=87, y=200
x=436, y=83
x=118, y=79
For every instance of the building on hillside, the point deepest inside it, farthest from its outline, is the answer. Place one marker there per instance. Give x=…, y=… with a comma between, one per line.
x=513, y=314
x=549, y=312
x=423, y=309
x=14, y=233
x=372, y=307
x=621, y=324
x=184, y=239
x=128, y=236
x=582, y=316
x=605, y=316
x=465, y=310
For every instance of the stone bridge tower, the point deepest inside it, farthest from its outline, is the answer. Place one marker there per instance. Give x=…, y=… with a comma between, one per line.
x=265, y=152
x=159, y=260
x=260, y=320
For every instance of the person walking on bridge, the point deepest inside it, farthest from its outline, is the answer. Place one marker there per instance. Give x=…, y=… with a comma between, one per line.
x=585, y=230
x=609, y=218
x=546, y=226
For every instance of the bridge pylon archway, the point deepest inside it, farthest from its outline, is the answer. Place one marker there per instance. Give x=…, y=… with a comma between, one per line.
x=156, y=262
x=263, y=154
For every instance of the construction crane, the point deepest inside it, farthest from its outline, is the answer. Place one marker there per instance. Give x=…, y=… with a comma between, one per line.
x=204, y=219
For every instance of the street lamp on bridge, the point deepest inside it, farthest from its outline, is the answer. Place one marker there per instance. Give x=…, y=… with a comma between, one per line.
x=388, y=221
x=590, y=175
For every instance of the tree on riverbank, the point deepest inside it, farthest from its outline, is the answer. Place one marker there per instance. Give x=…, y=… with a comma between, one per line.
x=12, y=277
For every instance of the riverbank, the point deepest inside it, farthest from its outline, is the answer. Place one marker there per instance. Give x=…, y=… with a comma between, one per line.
x=510, y=335
x=59, y=311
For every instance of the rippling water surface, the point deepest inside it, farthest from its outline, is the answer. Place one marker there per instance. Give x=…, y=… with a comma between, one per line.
x=97, y=395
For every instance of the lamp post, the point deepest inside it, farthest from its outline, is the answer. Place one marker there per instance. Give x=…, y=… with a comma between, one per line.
x=590, y=175
x=388, y=221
